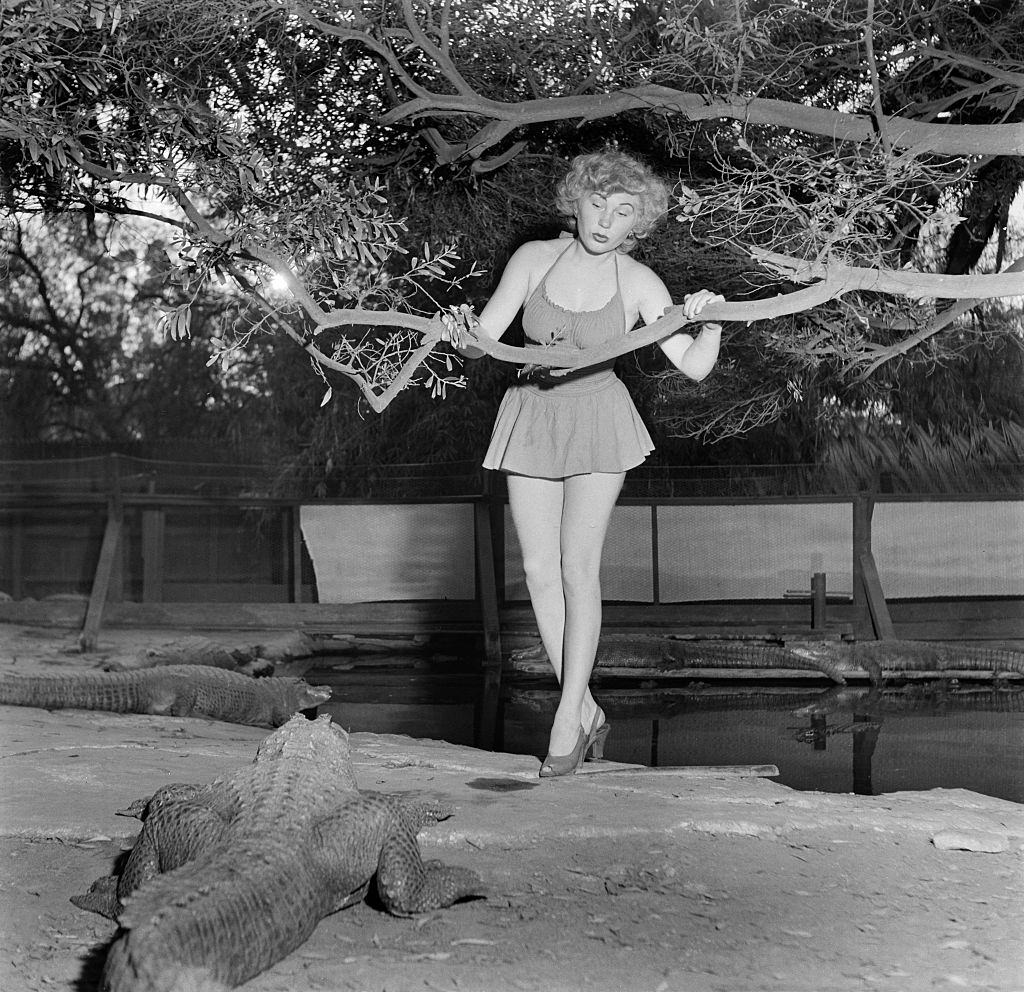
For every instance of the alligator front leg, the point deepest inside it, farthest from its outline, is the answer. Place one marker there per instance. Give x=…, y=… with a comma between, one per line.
x=407, y=885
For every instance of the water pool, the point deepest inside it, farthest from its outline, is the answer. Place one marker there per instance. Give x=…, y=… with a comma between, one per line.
x=942, y=734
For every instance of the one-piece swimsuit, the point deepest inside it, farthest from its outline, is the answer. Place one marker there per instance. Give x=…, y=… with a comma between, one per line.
x=551, y=426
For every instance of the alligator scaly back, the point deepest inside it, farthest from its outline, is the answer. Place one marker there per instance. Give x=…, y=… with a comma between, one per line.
x=297, y=842
x=671, y=654
x=929, y=656
x=174, y=690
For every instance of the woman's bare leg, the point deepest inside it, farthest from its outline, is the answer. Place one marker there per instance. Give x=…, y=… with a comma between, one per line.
x=537, y=510
x=586, y=511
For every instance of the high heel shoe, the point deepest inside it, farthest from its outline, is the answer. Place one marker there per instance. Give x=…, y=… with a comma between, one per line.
x=596, y=737
x=556, y=765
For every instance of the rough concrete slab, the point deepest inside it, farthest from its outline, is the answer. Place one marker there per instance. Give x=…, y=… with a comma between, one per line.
x=629, y=882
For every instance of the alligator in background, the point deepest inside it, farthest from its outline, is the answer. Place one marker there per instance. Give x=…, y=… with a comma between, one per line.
x=838, y=660
x=172, y=690
x=228, y=878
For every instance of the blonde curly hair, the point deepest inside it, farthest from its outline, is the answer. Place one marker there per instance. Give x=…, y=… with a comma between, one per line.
x=615, y=172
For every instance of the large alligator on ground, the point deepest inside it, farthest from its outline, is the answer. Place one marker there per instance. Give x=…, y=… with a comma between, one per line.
x=230, y=877
x=173, y=690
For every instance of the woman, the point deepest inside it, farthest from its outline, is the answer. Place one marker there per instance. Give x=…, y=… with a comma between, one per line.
x=565, y=442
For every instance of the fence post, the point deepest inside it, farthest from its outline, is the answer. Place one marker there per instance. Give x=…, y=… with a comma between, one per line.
x=863, y=507
x=117, y=576
x=819, y=602
x=487, y=594
x=868, y=596
x=105, y=567
x=295, y=549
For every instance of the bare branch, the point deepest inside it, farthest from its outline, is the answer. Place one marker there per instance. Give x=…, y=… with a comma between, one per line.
x=903, y=133
x=881, y=355
x=901, y=282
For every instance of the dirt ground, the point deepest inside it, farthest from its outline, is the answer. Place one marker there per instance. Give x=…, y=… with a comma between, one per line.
x=708, y=913
x=847, y=906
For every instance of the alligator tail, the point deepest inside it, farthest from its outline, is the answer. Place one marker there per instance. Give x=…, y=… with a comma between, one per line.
x=116, y=692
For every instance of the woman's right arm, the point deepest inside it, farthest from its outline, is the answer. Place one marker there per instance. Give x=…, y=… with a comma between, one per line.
x=504, y=304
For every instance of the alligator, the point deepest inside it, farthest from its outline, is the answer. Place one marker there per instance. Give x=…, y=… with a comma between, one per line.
x=672, y=656
x=249, y=658
x=836, y=659
x=228, y=878
x=172, y=690
x=634, y=704
x=876, y=657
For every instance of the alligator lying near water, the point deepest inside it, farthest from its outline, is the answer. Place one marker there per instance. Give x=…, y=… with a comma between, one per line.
x=173, y=690
x=670, y=655
x=247, y=657
x=877, y=657
x=230, y=877
x=839, y=660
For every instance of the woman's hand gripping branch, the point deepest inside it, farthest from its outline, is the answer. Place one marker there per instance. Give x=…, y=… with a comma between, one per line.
x=695, y=358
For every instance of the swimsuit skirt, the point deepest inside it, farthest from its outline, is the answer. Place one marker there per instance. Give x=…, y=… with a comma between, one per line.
x=556, y=426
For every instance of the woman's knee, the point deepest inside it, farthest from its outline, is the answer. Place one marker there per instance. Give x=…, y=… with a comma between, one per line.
x=543, y=573
x=581, y=576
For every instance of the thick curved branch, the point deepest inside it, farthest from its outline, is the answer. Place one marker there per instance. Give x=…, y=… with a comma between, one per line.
x=832, y=282
x=903, y=133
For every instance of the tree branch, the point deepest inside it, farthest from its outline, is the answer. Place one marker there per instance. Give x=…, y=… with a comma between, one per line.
x=903, y=133
x=942, y=320
x=899, y=282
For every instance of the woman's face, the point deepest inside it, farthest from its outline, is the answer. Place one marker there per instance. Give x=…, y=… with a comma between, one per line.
x=605, y=220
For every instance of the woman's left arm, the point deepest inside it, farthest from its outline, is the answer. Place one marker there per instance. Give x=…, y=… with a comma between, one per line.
x=694, y=357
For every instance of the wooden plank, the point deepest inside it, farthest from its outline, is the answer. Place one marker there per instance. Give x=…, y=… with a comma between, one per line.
x=880, y=618
x=740, y=613
x=923, y=610
x=946, y=629
x=682, y=771
x=487, y=593
x=408, y=617
x=863, y=507
x=295, y=548
x=101, y=580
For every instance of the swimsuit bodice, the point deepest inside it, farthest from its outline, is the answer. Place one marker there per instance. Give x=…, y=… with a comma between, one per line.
x=546, y=323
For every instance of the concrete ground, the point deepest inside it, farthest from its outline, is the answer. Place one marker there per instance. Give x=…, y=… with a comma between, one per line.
x=620, y=879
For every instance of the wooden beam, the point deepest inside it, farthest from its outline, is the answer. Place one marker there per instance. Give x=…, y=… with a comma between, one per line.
x=880, y=618
x=294, y=549
x=487, y=593
x=683, y=771
x=863, y=508
x=101, y=580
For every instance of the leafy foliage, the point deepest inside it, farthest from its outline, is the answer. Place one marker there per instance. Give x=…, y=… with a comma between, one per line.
x=312, y=161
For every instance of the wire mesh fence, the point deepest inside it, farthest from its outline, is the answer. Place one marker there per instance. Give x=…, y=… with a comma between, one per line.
x=40, y=478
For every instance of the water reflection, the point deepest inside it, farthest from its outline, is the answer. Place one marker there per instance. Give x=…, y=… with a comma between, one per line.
x=920, y=735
